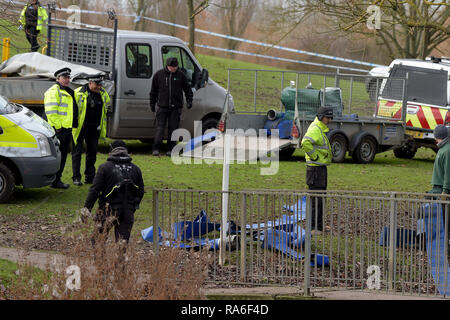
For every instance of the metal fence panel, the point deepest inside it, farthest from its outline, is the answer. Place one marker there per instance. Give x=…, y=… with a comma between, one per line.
x=378, y=240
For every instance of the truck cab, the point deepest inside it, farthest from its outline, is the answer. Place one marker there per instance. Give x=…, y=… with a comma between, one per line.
x=427, y=97
x=29, y=150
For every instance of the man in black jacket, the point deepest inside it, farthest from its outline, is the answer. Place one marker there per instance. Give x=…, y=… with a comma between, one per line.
x=167, y=91
x=119, y=188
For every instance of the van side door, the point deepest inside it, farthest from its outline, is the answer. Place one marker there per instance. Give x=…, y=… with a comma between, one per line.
x=132, y=116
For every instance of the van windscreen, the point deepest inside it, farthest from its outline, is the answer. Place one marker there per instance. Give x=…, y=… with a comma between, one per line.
x=6, y=107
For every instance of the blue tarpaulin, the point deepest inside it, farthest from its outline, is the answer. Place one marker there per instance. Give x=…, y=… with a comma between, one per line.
x=430, y=225
x=283, y=234
x=193, y=143
x=436, y=246
x=404, y=237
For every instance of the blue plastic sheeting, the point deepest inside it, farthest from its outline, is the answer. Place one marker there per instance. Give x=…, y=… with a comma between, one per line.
x=284, y=127
x=436, y=246
x=283, y=235
x=186, y=230
x=193, y=143
x=404, y=237
x=298, y=208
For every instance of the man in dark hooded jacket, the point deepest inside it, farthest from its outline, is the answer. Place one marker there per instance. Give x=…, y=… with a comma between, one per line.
x=119, y=188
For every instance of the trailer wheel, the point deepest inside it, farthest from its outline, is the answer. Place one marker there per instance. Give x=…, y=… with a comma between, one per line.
x=339, y=147
x=365, y=151
x=7, y=183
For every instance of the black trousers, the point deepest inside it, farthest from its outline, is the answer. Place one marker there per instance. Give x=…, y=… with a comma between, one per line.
x=164, y=115
x=65, y=141
x=316, y=179
x=121, y=219
x=32, y=34
x=90, y=135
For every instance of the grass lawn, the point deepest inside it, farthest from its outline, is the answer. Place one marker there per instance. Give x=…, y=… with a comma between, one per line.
x=386, y=173
x=19, y=43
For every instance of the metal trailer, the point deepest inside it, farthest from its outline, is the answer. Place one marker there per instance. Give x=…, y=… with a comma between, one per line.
x=361, y=134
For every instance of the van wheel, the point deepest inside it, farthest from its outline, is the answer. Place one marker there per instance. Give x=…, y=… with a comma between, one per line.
x=365, y=151
x=339, y=147
x=209, y=123
x=7, y=183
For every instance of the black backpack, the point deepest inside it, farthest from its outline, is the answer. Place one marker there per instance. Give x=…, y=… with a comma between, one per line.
x=125, y=193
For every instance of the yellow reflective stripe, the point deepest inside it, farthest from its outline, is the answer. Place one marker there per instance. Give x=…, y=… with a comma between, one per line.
x=112, y=190
x=317, y=163
x=6, y=144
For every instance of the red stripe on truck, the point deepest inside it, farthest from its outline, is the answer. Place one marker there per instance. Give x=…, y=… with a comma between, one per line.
x=437, y=115
x=422, y=119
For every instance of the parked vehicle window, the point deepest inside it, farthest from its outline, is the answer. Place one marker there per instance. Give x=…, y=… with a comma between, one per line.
x=186, y=64
x=138, y=61
x=424, y=85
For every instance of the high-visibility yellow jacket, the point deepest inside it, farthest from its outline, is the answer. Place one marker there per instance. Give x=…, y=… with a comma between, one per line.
x=58, y=107
x=81, y=96
x=42, y=17
x=316, y=144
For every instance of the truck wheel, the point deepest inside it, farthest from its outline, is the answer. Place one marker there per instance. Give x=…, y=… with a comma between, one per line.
x=338, y=147
x=365, y=151
x=7, y=183
x=405, y=152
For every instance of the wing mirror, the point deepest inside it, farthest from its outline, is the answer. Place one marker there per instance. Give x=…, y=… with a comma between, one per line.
x=203, y=79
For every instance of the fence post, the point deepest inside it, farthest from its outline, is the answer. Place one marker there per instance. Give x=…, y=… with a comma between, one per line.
x=307, y=260
x=155, y=221
x=392, y=242
x=242, y=235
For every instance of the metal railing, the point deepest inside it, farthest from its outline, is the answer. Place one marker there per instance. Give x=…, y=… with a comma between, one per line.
x=386, y=241
x=257, y=91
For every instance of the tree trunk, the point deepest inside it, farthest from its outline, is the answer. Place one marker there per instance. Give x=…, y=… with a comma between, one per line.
x=191, y=29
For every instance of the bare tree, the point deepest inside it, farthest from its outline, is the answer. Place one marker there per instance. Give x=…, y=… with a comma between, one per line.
x=192, y=12
x=408, y=29
x=141, y=8
x=173, y=11
x=235, y=16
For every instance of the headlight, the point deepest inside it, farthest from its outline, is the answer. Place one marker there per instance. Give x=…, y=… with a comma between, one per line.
x=44, y=146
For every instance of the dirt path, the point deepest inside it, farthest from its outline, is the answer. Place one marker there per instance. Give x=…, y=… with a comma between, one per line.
x=56, y=262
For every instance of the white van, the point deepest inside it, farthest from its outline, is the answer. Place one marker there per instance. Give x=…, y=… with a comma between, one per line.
x=29, y=150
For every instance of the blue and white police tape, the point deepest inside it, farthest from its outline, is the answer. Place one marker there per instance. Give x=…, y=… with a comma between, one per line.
x=268, y=45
